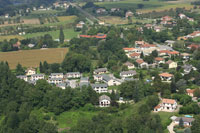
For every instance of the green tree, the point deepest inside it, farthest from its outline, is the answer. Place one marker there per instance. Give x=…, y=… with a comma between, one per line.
x=19, y=70
x=61, y=36
x=181, y=124
x=195, y=125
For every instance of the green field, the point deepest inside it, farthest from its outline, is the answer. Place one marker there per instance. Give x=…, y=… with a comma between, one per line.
x=150, y=5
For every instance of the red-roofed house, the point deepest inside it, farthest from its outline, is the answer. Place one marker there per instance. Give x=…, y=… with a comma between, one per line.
x=135, y=55
x=141, y=63
x=167, y=105
x=194, y=34
x=159, y=60
x=163, y=52
x=195, y=46
x=166, y=76
x=190, y=92
x=127, y=50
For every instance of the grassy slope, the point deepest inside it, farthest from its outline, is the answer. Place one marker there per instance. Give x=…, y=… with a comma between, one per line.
x=32, y=58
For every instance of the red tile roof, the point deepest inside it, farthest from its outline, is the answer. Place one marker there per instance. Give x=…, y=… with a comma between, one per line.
x=134, y=54
x=129, y=49
x=190, y=91
x=140, y=61
x=159, y=59
x=193, y=46
x=169, y=101
x=166, y=75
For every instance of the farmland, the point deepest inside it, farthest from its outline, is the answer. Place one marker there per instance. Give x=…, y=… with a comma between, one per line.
x=32, y=58
x=149, y=6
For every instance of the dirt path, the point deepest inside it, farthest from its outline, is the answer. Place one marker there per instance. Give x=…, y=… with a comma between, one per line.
x=171, y=127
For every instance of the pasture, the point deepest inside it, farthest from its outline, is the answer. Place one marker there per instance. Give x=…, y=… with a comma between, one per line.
x=32, y=58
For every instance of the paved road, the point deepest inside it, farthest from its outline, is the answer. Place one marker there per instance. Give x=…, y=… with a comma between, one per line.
x=86, y=14
x=171, y=128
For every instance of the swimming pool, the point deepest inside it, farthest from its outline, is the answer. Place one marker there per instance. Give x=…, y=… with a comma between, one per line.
x=189, y=116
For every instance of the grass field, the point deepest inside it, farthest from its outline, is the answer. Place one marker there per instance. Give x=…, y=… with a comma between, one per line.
x=32, y=58
x=10, y=37
x=149, y=6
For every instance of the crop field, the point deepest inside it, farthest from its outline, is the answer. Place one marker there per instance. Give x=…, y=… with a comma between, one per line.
x=113, y=20
x=32, y=58
x=149, y=6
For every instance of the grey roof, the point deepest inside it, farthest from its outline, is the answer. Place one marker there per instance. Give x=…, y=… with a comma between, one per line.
x=100, y=70
x=129, y=79
x=21, y=76
x=128, y=72
x=106, y=77
x=104, y=97
x=84, y=79
x=129, y=64
x=99, y=76
x=187, y=66
x=185, y=119
x=37, y=75
x=56, y=73
x=99, y=85
x=61, y=85
x=73, y=73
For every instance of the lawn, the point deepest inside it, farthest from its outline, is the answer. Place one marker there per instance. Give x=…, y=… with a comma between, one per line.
x=69, y=33
x=32, y=58
x=70, y=118
x=10, y=37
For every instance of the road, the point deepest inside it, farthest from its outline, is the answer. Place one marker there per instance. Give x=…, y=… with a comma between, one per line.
x=86, y=14
x=171, y=127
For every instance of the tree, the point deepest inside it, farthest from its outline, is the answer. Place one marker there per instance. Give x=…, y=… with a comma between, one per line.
x=19, y=70
x=41, y=68
x=195, y=125
x=181, y=124
x=61, y=36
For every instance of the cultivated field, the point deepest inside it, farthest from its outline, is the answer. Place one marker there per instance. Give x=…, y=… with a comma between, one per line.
x=32, y=58
x=113, y=20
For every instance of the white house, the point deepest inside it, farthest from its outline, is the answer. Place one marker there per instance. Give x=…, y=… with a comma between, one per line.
x=61, y=85
x=73, y=75
x=141, y=63
x=104, y=101
x=186, y=121
x=24, y=77
x=172, y=64
x=36, y=77
x=128, y=73
x=30, y=71
x=111, y=80
x=55, y=80
x=100, y=71
x=100, y=88
x=190, y=92
x=167, y=105
x=56, y=75
x=129, y=65
x=98, y=78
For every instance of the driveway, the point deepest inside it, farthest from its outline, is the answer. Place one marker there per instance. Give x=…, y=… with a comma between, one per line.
x=171, y=127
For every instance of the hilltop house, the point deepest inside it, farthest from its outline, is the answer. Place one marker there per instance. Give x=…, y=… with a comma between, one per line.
x=104, y=101
x=168, y=105
x=35, y=77
x=100, y=71
x=166, y=76
x=171, y=64
x=100, y=88
x=73, y=75
x=30, y=71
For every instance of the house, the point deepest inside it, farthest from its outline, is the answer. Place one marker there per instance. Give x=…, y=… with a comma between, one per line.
x=128, y=50
x=128, y=14
x=84, y=81
x=135, y=55
x=149, y=26
x=100, y=71
x=56, y=75
x=6, y=15
x=98, y=78
x=24, y=77
x=141, y=63
x=169, y=43
x=72, y=83
x=140, y=43
x=104, y=101
x=110, y=80
x=171, y=64
x=166, y=18
x=101, y=23
x=100, y=88
x=167, y=105
x=194, y=34
x=159, y=60
x=187, y=68
x=190, y=92
x=31, y=45
x=157, y=28
x=163, y=52
x=101, y=11
x=166, y=76
x=182, y=16
x=73, y=75
x=62, y=85
x=187, y=121
x=129, y=65
x=128, y=73
x=55, y=80
x=185, y=56
x=35, y=77
x=173, y=53
x=17, y=45
x=30, y=71
x=193, y=46
x=79, y=26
